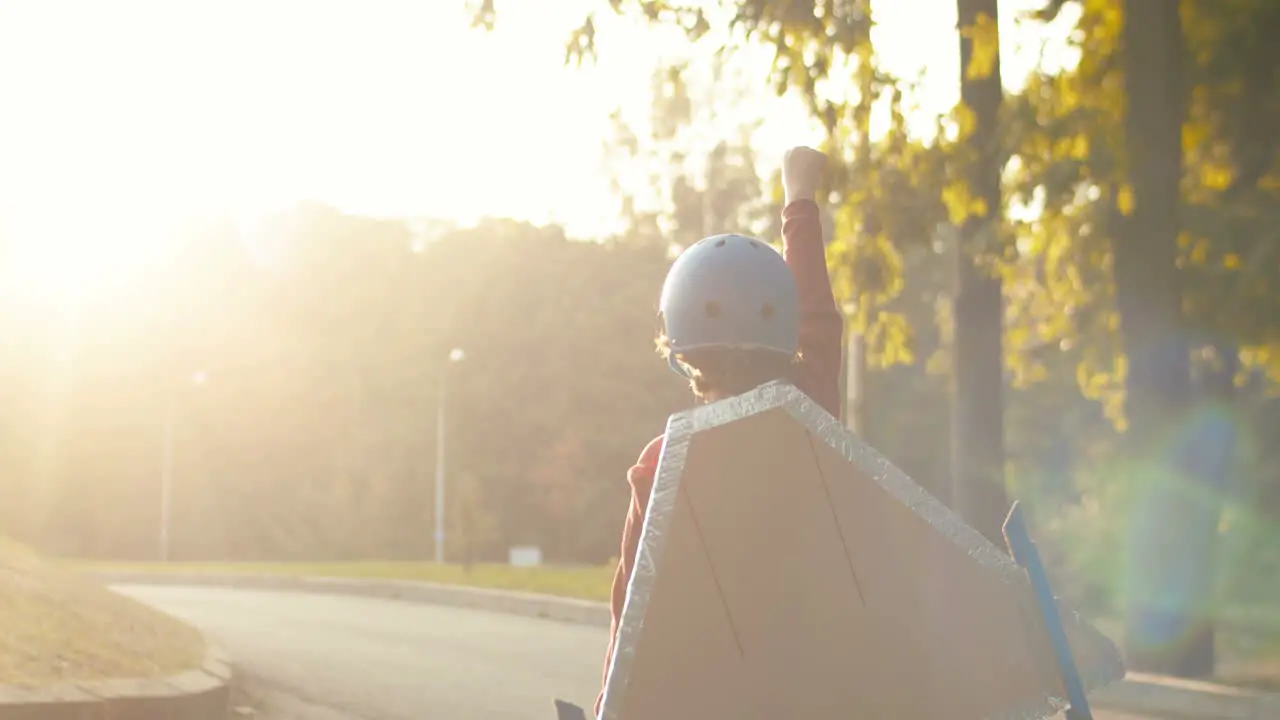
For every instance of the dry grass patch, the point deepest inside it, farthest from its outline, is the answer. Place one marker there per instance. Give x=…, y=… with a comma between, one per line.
x=57, y=626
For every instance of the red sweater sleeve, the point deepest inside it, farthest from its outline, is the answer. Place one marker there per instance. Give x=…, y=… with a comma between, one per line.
x=821, y=323
x=640, y=477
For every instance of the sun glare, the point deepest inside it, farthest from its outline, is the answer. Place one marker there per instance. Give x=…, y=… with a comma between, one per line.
x=135, y=117
x=68, y=258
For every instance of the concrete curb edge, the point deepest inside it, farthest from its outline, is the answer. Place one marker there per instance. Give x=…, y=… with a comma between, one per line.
x=550, y=607
x=1179, y=699
x=202, y=693
x=1150, y=694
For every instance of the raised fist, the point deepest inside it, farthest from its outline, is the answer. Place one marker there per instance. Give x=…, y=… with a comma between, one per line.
x=802, y=169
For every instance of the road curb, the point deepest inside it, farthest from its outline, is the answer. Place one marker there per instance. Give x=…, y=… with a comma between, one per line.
x=1164, y=697
x=550, y=607
x=1178, y=699
x=202, y=693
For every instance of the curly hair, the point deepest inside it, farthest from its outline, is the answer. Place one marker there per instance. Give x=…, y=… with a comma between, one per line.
x=724, y=372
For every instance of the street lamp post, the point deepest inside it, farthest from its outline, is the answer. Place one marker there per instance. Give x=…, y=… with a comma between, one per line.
x=854, y=375
x=166, y=467
x=455, y=356
x=166, y=479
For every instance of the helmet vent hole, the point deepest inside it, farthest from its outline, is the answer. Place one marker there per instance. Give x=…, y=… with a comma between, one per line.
x=767, y=311
x=721, y=243
x=755, y=245
x=713, y=308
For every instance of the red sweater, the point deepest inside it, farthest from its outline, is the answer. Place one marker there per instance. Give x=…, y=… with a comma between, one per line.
x=817, y=375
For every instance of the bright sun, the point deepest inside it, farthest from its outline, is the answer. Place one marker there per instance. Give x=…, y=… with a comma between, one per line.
x=135, y=116
x=67, y=258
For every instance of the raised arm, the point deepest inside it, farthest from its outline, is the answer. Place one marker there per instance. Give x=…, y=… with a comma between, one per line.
x=821, y=323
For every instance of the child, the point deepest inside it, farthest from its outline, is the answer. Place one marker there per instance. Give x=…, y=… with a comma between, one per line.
x=737, y=316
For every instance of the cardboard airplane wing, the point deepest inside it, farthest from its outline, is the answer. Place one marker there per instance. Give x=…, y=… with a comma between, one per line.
x=786, y=569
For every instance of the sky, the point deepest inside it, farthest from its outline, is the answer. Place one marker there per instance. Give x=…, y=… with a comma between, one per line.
x=124, y=119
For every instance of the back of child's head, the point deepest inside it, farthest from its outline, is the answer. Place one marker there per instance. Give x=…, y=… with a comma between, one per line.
x=731, y=316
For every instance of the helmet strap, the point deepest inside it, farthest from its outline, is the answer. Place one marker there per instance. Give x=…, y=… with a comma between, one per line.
x=677, y=366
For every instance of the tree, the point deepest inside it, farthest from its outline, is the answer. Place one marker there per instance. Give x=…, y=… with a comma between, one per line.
x=1085, y=285
x=322, y=335
x=1172, y=537
x=1140, y=286
x=696, y=187
x=977, y=445
x=562, y=487
x=471, y=523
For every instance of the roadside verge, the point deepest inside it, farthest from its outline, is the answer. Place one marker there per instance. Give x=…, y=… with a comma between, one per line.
x=203, y=693
x=1164, y=697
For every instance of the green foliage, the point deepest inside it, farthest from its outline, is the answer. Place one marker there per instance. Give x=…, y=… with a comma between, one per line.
x=888, y=192
x=1066, y=141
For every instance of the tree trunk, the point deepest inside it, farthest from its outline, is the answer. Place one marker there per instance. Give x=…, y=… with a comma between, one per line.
x=1170, y=577
x=977, y=428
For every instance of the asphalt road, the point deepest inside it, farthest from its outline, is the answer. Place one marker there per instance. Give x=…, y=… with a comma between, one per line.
x=329, y=657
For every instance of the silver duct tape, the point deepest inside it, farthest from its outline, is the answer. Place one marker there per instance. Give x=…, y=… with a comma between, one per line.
x=680, y=431
x=875, y=466
x=878, y=468
x=662, y=503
